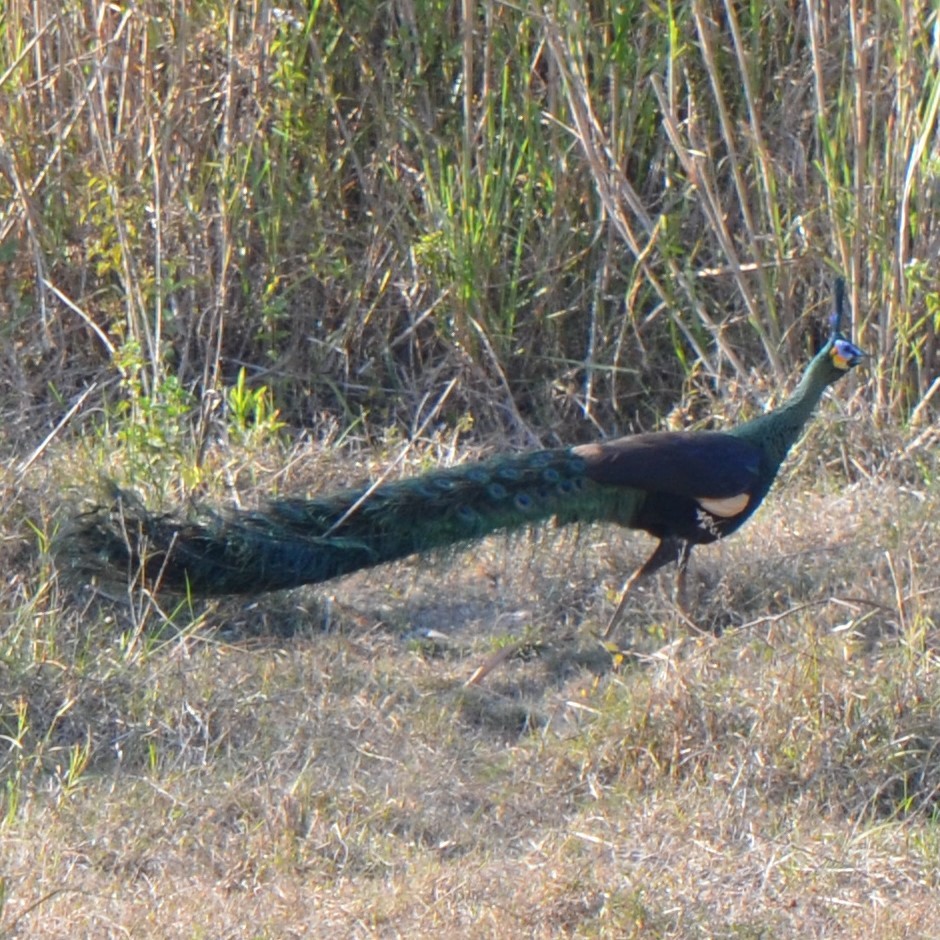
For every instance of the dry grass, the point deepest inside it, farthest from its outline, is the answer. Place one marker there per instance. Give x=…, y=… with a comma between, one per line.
x=458, y=226
x=312, y=763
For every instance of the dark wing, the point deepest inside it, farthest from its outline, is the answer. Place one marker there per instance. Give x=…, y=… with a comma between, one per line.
x=698, y=464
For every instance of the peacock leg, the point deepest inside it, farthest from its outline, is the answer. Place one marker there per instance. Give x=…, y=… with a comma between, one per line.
x=682, y=566
x=668, y=550
x=624, y=594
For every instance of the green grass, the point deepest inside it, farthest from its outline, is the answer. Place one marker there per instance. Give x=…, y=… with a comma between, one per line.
x=596, y=212
x=244, y=255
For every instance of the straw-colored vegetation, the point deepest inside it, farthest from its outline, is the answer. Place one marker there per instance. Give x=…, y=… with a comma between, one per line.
x=247, y=249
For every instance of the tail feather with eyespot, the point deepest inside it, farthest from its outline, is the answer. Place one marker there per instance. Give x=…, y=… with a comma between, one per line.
x=290, y=542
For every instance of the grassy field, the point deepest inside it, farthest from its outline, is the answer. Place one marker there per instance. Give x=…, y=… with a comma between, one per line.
x=248, y=250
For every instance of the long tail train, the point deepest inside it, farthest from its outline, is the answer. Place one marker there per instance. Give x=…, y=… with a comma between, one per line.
x=291, y=542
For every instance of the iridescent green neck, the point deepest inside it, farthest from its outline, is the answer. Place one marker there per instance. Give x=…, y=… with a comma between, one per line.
x=776, y=432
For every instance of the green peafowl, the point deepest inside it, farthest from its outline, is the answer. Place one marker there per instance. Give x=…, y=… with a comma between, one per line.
x=684, y=488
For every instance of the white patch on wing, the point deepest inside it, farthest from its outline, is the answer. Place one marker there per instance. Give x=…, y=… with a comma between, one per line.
x=708, y=523
x=725, y=508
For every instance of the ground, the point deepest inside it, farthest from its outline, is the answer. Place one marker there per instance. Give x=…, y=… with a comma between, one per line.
x=314, y=763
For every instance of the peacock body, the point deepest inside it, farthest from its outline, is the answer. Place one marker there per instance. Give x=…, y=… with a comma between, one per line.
x=684, y=488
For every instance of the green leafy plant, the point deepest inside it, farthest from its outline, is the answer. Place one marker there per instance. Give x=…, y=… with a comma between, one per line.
x=154, y=426
x=252, y=419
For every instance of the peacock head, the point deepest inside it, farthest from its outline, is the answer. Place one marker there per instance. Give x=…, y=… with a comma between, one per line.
x=844, y=354
x=840, y=353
